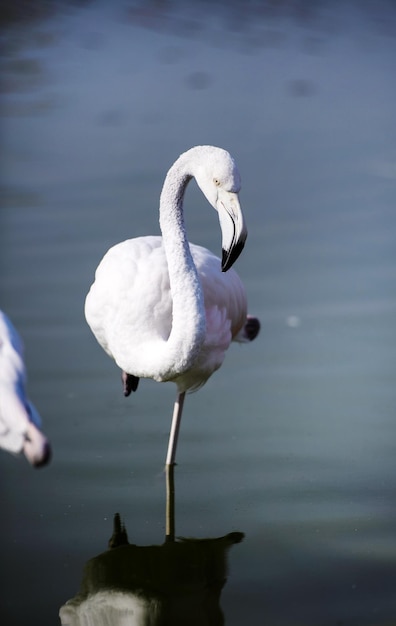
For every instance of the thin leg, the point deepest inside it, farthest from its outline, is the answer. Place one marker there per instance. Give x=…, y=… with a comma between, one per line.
x=174, y=433
x=170, y=503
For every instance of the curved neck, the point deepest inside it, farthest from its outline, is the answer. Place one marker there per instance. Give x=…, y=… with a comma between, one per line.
x=188, y=312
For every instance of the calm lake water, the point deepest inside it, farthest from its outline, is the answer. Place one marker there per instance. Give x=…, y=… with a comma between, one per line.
x=293, y=441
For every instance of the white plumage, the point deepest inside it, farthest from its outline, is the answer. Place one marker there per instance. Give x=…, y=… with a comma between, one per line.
x=19, y=420
x=166, y=309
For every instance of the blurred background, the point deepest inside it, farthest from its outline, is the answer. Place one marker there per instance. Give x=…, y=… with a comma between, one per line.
x=293, y=441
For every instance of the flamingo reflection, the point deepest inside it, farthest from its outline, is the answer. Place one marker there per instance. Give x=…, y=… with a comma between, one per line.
x=177, y=582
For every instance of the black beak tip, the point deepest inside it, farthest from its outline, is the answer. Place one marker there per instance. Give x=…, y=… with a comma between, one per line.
x=230, y=256
x=45, y=458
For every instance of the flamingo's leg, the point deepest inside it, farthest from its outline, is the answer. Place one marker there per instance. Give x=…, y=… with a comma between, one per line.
x=170, y=503
x=174, y=432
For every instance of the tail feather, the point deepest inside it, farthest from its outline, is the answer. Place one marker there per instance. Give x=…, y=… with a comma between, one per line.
x=249, y=331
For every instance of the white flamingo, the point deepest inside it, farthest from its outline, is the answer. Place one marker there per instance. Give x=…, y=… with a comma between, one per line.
x=19, y=420
x=166, y=309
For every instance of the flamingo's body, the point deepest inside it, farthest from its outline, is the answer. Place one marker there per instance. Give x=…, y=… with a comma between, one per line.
x=19, y=420
x=166, y=309
x=141, y=321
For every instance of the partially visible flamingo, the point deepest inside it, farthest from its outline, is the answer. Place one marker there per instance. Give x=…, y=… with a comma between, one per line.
x=19, y=420
x=166, y=309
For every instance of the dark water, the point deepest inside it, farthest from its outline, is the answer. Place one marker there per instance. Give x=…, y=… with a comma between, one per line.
x=293, y=441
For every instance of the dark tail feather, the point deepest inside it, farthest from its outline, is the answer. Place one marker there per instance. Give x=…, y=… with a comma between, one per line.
x=252, y=327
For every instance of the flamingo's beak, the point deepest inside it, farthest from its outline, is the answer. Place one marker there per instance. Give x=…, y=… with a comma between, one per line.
x=233, y=227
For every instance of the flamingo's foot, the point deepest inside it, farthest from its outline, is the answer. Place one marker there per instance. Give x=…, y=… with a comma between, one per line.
x=129, y=383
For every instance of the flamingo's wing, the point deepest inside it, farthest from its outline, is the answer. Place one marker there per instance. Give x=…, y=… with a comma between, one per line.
x=224, y=293
x=129, y=306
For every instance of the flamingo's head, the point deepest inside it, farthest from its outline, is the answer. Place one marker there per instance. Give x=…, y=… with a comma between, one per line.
x=219, y=180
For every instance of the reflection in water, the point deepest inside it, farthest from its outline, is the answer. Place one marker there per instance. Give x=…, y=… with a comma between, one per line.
x=177, y=582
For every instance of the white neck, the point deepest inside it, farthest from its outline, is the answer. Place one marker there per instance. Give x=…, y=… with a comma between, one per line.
x=188, y=312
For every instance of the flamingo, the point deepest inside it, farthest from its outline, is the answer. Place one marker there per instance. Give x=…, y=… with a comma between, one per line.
x=168, y=310
x=19, y=419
